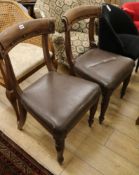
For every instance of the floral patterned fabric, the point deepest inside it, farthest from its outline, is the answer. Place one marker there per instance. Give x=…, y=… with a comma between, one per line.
x=92, y=2
x=83, y=25
x=42, y=9
x=57, y=8
x=79, y=42
x=54, y=8
x=79, y=36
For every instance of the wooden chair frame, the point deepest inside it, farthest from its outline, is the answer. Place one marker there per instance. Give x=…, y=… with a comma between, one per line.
x=42, y=27
x=11, y=14
x=91, y=13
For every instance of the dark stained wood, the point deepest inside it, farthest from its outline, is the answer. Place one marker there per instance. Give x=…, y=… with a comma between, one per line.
x=137, y=66
x=59, y=145
x=137, y=121
x=21, y=100
x=125, y=84
x=4, y=81
x=92, y=112
x=104, y=104
x=70, y=17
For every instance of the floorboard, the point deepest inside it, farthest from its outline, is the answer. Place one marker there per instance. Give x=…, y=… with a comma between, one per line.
x=108, y=149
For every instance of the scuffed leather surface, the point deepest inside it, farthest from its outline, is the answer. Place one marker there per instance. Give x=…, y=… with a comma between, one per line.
x=106, y=68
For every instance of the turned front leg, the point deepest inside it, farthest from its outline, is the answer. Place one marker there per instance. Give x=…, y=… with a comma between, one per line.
x=12, y=99
x=59, y=145
x=92, y=113
x=125, y=84
x=22, y=116
x=104, y=105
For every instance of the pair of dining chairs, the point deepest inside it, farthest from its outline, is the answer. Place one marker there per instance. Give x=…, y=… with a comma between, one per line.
x=56, y=100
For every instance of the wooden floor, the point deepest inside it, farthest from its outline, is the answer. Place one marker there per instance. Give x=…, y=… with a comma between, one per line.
x=108, y=149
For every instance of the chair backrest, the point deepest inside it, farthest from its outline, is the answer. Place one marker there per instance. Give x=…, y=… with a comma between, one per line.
x=15, y=34
x=114, y=21
x=75, y=15
x=11, y=13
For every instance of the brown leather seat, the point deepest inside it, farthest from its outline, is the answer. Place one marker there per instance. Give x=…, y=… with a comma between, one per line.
x=62, y=99
x=57, y=101
x=105, y=68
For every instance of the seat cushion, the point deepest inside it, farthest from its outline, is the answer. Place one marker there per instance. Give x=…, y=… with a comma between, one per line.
x=25, y=57
x=105, y=68
x=59, y=100
x=131, y=45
